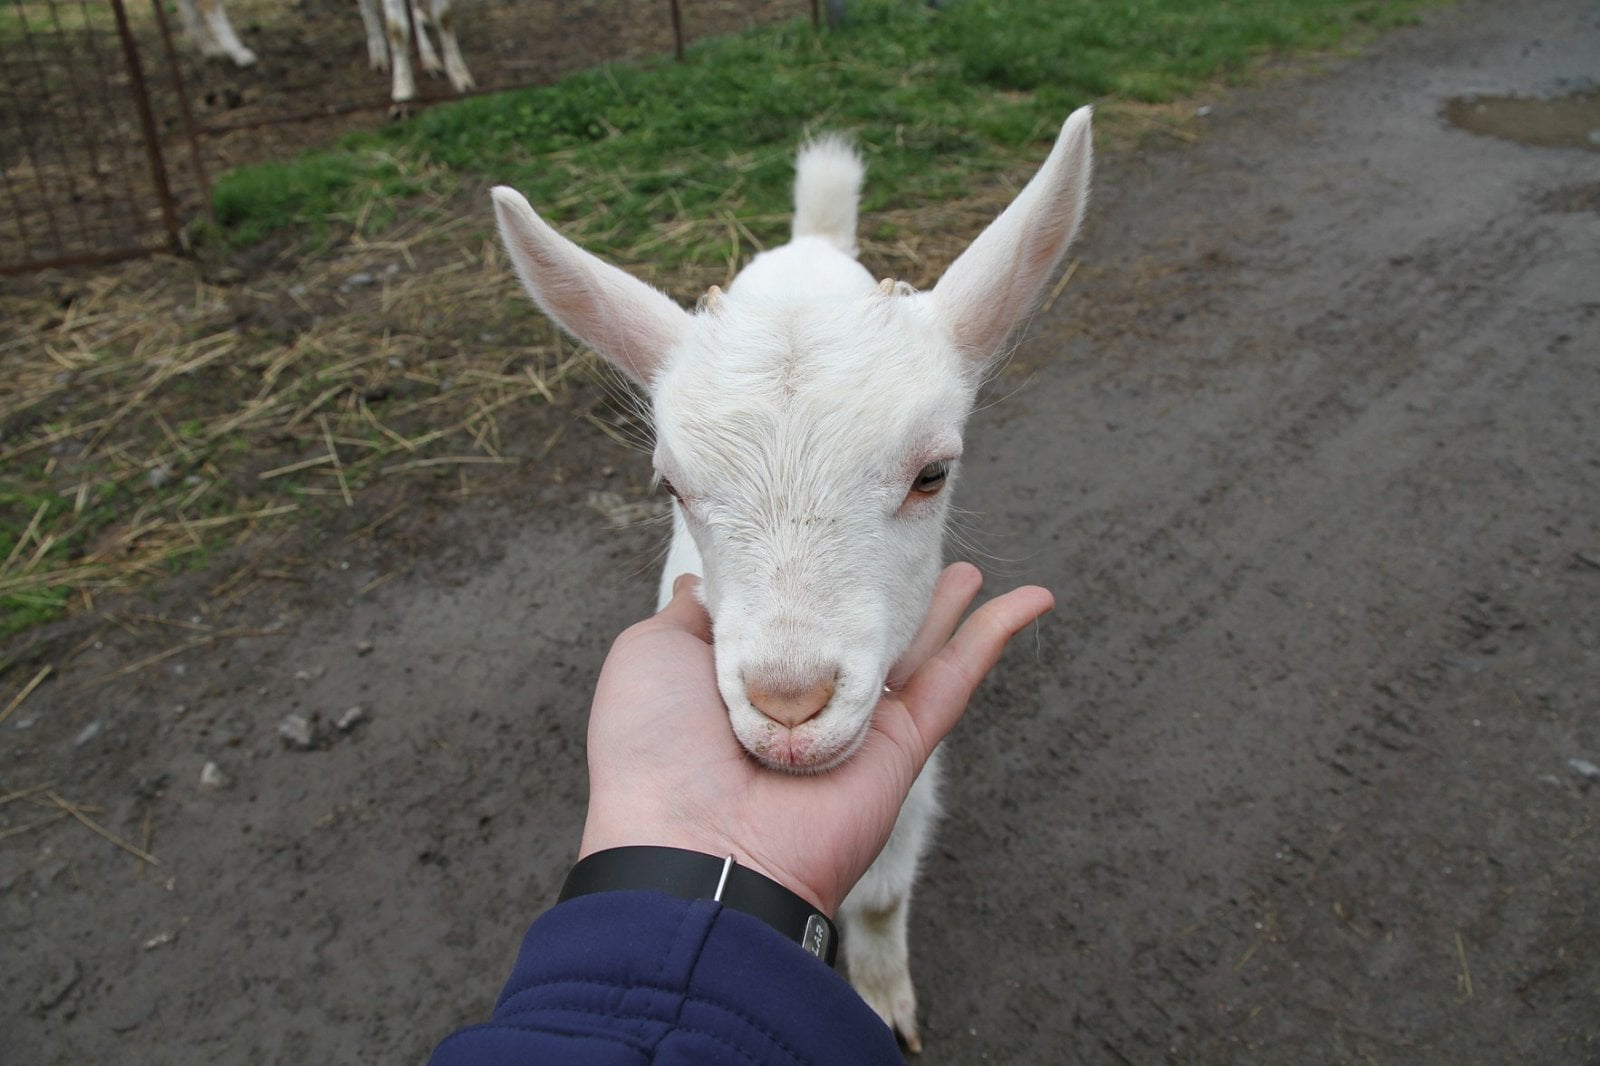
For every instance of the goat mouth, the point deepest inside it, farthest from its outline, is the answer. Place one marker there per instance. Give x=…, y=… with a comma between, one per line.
x=792, y=751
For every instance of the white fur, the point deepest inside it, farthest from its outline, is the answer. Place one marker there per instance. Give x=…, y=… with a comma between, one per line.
x=827, y=188
x=207, y=24
x=793, y=414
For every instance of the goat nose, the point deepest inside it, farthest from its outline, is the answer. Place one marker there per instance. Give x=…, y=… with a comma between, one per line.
x=790, y=704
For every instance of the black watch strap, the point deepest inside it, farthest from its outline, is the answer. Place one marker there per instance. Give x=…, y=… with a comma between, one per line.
x=695, y=875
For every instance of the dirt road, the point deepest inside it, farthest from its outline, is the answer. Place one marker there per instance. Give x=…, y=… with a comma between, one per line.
x=1308, y=451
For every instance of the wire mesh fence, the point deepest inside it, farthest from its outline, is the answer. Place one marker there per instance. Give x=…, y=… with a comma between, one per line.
x=85, y=168
x=111, y=119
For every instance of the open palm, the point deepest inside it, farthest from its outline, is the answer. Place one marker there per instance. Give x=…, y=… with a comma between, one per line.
x=665, y=768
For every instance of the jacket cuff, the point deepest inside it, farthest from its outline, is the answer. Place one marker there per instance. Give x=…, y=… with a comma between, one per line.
x=672, y=980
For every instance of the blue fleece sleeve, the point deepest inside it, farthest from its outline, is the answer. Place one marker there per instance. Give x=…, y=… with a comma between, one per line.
x=628, y=978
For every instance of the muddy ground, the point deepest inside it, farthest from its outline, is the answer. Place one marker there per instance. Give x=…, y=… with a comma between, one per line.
x=1297, y=772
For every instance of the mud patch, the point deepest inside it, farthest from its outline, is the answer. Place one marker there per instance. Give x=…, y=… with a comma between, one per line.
x=1571, y=121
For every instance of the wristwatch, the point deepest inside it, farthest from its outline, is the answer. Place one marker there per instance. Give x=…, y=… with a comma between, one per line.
x=695, y=875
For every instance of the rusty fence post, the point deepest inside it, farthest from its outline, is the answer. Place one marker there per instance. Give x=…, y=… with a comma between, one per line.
x=147, y=124
x=185, y=111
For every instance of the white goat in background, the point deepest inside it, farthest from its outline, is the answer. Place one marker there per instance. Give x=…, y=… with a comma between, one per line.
x=808, y=424
x=388, y=39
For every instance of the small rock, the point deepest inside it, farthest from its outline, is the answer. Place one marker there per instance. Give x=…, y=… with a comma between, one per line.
x=358, y=280
x=159, y=475
x=160, y=940
x=212, y=778
x=1585, y=768
x=297, y=732
x=363, y=647
x=88, y=733
x=351, y=718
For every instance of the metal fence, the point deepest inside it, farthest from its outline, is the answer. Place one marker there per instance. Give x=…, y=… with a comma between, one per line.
x=110, y=120
x=86, y=173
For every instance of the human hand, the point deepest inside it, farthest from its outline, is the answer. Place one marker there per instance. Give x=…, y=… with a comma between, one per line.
x=666, y=770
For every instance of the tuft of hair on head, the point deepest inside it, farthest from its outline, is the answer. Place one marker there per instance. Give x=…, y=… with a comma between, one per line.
x=827, y=187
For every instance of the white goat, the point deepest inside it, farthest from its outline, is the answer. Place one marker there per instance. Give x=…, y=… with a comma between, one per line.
x=808, y=424
x=207, y=24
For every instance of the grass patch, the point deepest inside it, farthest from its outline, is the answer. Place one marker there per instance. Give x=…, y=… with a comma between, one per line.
x=254, y=202
x=23, y=21
x=1146, y=50
x=941, y=101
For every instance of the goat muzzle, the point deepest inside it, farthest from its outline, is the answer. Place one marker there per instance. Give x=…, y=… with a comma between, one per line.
x=790, y=704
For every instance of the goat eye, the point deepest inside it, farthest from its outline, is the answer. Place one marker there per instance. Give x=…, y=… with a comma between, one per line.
x=931, y=478
x=672, y=490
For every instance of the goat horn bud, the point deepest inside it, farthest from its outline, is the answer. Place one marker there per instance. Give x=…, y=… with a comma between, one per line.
x=712, y=300
x=886, y=287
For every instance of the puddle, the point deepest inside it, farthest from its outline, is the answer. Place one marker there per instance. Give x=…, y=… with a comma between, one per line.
x=1571, y=121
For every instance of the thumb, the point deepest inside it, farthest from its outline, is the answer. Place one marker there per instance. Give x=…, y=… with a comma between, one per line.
x=685, y=611
x=937, y=694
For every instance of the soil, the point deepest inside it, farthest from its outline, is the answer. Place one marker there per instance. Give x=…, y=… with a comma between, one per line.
x=1301, y=769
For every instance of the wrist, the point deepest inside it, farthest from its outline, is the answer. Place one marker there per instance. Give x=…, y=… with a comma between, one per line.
x=692, y=874
x=602, y=835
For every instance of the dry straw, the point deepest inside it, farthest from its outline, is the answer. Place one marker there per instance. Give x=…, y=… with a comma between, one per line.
x=151, y=412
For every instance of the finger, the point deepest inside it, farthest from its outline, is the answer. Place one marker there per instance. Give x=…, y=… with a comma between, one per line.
x=952, y=595
x=937, y=694
x=684, y=610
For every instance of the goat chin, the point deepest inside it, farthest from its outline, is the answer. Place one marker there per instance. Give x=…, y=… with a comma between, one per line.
x=812, y=747
x=809, y=422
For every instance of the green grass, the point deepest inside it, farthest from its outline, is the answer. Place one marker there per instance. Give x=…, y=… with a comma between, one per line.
x=1147, y=50
x=24, y=22
x=25, y=512
x=18, y=509
x=614, y=153
x=48, y=533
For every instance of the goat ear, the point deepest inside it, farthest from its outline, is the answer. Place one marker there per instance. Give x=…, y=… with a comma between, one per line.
x=996, y=281
x=632, y=325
